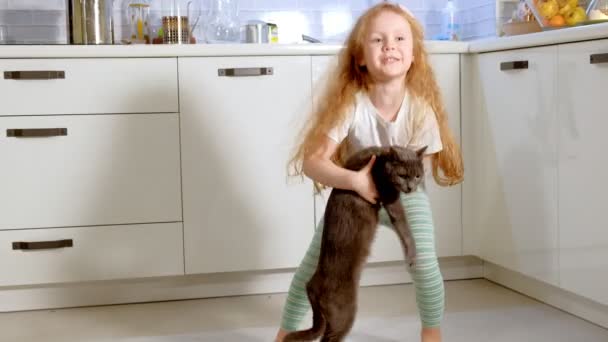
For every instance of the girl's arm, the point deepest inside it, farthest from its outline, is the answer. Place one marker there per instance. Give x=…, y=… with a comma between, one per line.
x=319, y=167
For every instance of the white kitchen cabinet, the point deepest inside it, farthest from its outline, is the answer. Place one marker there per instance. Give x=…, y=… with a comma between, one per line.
x=82, y=170
x=445, y=202
x=91, y=170
x=582, y=119
x=516, y=201
x=75, y=254
x=320, y=72
x=241, y=212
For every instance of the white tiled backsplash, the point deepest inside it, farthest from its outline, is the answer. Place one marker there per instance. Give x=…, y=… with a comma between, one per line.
x=44, y=21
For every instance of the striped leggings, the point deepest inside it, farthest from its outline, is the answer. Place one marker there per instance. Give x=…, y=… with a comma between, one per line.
x=425, y=274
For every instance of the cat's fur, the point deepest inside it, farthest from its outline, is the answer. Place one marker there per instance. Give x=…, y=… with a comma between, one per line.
x=350, y=224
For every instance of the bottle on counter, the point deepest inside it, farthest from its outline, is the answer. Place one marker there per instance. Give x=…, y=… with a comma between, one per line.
x=273, y=33
x=451, y=28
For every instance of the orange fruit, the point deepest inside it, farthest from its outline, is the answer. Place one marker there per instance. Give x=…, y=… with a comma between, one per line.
x=557, y=20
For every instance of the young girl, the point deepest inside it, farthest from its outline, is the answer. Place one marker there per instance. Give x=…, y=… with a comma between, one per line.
x=383, y=92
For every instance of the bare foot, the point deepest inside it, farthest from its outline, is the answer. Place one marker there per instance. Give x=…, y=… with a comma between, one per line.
x=280, y=335
x=431, y=335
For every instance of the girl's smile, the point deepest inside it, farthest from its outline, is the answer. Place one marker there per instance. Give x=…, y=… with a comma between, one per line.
x=390, y=60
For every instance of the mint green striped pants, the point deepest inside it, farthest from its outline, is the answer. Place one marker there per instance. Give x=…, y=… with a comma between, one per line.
x=425, y=274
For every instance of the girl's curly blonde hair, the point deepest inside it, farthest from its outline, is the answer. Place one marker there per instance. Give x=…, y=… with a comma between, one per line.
x=349, y=78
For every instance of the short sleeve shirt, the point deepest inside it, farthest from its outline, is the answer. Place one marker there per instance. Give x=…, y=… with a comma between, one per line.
x=415, y=126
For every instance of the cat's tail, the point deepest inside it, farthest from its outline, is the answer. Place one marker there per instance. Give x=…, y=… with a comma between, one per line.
x=318, y=323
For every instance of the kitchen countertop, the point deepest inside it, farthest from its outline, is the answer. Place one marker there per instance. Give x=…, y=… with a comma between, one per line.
x=582, y=33
x=558, y=36
x=83, y=51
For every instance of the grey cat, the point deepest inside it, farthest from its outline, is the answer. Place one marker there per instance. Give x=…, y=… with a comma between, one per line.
x=350, y=224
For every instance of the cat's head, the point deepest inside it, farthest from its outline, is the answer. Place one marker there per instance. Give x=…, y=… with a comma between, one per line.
x=404, y=168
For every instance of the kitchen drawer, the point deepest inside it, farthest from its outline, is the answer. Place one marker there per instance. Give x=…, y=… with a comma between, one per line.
x=90, y=253
x=106, y=169
x=88, y=85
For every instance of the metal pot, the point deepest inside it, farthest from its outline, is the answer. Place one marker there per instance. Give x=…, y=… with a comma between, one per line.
x=256, y=32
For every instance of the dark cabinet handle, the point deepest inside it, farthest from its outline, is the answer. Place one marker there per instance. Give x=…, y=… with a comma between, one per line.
x=42, y=244
x=243, y=72
x=598, y=58
x=34, y=75
x=36, y=132
x=513, y=65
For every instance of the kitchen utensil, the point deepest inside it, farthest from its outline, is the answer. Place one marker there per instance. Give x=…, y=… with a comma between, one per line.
x=176, y=29
x=176, y=19
x=256, y=32
x=90, y=22
x=310, y=39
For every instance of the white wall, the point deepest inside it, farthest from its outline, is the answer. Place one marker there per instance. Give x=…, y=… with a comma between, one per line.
x=44, y=21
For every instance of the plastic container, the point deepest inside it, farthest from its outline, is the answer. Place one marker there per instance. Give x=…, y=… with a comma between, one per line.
x=451, y=28
x=556, y=14
x=598, y=11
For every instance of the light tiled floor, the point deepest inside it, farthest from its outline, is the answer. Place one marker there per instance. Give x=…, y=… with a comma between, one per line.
x=476, y=310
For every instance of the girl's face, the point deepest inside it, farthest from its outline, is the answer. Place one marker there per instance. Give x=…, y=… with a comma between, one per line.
x=388, y=47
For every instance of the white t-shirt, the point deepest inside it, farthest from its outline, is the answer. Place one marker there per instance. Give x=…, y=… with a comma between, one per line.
x=414, y=127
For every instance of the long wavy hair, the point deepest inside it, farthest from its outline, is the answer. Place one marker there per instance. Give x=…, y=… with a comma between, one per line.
x=349, y=78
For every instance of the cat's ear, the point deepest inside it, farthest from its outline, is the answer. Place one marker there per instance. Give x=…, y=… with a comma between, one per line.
x=420, y=152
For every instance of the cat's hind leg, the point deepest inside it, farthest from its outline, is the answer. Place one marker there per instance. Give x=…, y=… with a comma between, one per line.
x=314, y=292
x=340, y=319
x=318, y=319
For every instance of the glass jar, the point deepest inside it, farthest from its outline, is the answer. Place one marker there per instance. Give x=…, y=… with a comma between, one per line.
x=222, y=24
x=139, y=16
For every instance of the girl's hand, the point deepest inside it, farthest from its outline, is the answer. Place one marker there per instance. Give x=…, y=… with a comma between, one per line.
x=363, y=183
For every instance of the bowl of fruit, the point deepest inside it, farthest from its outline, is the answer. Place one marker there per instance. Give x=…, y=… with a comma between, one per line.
x=553, y=14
